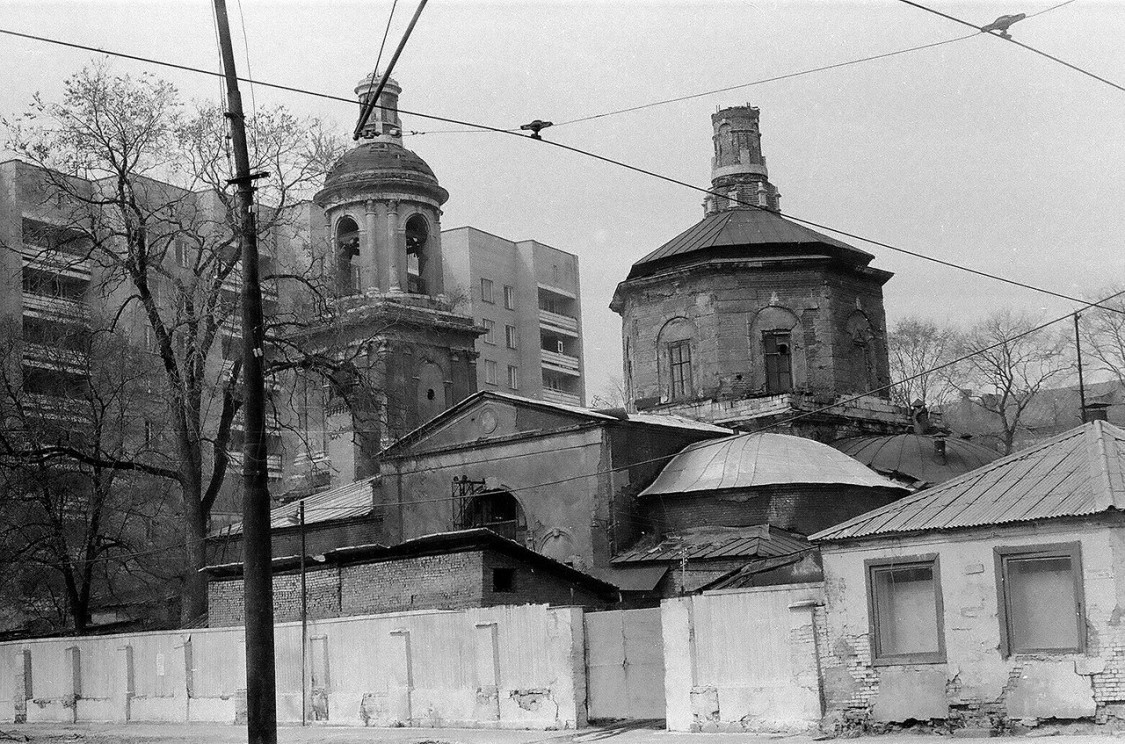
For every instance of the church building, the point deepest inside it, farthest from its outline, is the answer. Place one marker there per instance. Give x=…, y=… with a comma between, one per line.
x=747, y=318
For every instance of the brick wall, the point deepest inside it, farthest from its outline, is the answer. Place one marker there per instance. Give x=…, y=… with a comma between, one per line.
x=322, y=597
x=531, y=586
x=448, y=582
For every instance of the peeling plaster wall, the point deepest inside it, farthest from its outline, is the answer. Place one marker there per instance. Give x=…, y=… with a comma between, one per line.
x=976, y=685
x=497, y=667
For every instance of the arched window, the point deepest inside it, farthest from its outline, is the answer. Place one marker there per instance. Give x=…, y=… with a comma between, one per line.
x=417, y=242
x=864, y=352
x=774, y=331
x=675, y=350
x=498, y=511
x=347, y=257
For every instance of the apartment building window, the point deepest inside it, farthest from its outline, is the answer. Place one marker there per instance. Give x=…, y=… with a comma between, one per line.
x=679, y=360
x=779, y=361
x=905, y=610
x=509, y=297
x=489, y=328
x=486, y=291
x=1027, y=575
x=511, y=337
x=513, y=377
x=490, y=371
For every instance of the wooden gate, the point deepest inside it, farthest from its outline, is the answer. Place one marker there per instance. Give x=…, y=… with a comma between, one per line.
x=624, y=664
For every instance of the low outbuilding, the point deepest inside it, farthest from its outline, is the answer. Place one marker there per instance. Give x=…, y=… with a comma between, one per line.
x=993, y=600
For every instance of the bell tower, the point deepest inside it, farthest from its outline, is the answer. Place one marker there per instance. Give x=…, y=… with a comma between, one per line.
x=409, y=353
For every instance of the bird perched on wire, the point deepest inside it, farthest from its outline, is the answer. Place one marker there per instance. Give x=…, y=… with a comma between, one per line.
x=535, y=127
x=1002, y=24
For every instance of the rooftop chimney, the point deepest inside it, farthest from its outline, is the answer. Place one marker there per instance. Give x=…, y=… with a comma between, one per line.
x=1097, y=411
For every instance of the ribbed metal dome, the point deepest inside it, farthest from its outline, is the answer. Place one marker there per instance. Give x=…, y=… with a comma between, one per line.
x=920, y=457
x=760, y=459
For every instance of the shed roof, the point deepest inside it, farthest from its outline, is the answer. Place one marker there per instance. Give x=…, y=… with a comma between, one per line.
x=1075, y=473
x=342, y=502
x=761, y=459
x=751, y=230
x=718, y=543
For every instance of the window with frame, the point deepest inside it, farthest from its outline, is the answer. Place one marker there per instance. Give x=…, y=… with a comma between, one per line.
x=513, y=377
x=489, y=336
x=679, y=368
x=778, y=353
x=1025, y=576
x=905, y=610
x=490, y=371
x=509, y=297
x=486, y=291
x=511, y=337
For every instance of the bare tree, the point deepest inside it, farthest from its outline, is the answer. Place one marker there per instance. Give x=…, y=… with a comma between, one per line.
x=612, y=395
x=1013, y=365
x=142, y=183
x=1103, y=336
x=76, y=525
x=917, y=348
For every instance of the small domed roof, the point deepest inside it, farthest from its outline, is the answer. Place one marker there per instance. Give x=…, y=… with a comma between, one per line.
x=373, y=163
x=762, y=459
x=919, y=457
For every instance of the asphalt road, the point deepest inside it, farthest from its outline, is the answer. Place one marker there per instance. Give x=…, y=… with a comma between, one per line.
x=139, y=733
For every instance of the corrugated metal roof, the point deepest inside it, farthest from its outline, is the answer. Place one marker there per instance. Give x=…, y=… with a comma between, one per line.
x=915, y=456
x=1076, y=473
x=718, y=543
x=750, y=228
x=761, y=459
x=745, y=576
x=343, y=502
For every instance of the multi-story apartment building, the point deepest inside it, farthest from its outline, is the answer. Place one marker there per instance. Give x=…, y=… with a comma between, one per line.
x=526, y=295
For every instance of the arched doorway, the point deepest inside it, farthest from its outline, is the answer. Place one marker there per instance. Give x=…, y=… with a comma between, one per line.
x=498, y=511
x=417, y=243
x=347, y=257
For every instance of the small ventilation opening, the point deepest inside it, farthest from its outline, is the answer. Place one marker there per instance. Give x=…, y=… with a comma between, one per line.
x=430, y=394
x=503, y=579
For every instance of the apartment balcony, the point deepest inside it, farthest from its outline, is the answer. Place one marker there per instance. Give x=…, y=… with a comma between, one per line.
x=56, y=308
x=556, y=362
x=558, y=396
x=58, y=408
x=50, y=357
x=561, y=324
x=55, y=262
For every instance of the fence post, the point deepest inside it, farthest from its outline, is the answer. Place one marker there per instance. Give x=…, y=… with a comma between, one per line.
x=487, y=672
x=23, y=691
x=126, y=682
x=74, y=670
x=679, y=662
x=185, y=684
x=402, y=683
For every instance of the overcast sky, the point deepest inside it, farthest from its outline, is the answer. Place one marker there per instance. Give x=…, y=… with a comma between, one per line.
x=977, y=152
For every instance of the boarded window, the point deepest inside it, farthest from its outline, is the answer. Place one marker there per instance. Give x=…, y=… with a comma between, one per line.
x=1025, y=577
x=904, y=602
x=679, y=362
x=779, y=361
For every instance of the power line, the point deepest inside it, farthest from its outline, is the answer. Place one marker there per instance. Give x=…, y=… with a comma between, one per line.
x=577, y=150
x=1028, y=47
x=773, y=79
x=386, y=32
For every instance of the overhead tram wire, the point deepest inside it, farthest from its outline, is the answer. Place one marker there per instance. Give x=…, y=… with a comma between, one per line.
x=1020, y=44
x=774, y=79
x=579, y=151
x=373, y=101
x=386, y=33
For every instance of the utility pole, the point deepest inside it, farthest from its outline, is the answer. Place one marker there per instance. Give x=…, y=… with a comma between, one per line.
x=261, y=705
x=1081, y=382
x=304, y=622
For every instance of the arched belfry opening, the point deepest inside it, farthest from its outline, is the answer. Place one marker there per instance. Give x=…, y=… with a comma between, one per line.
x=498, y=511
x=417, y=254
x=348, y=276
